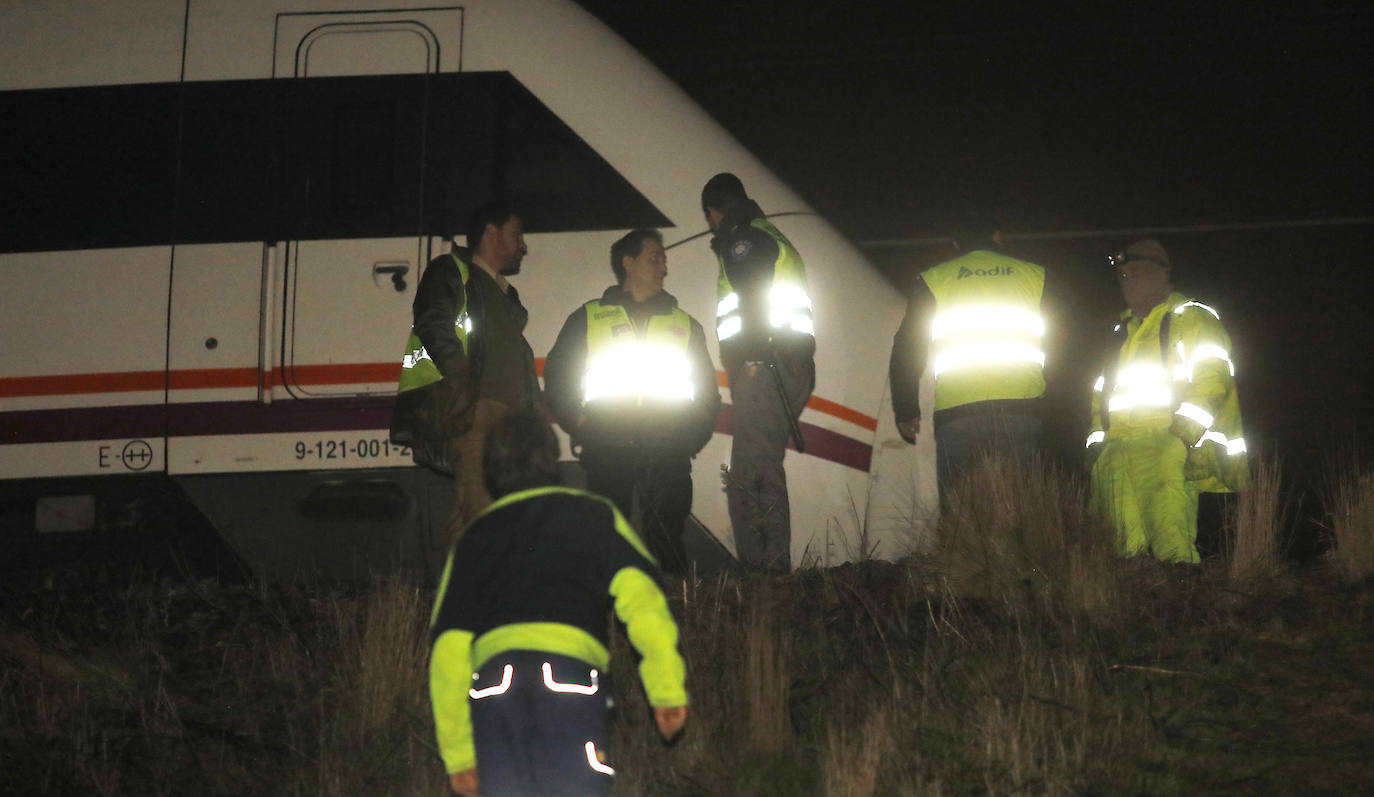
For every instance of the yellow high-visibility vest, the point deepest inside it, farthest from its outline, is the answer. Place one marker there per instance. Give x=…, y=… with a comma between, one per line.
x=417, y=367
x=789, y=300
x=987, y=335
x=624, y=364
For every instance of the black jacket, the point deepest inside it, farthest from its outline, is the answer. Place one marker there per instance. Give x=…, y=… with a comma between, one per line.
x=749, y=255
x=629, y=429
x=427, y=418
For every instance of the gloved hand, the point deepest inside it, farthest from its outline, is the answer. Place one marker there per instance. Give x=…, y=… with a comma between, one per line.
x=1187, y=430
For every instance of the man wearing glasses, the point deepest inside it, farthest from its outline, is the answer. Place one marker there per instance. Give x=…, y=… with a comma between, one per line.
x=1166, y=417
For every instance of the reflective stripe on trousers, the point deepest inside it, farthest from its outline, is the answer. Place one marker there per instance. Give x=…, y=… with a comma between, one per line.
x=540, y=726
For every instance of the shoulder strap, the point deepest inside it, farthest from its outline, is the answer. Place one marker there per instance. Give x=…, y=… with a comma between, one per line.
x=1164, y=339
x=472, y=303
x=1109, y=374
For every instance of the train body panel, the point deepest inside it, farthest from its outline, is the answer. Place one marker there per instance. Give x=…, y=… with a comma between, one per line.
x=234, y=303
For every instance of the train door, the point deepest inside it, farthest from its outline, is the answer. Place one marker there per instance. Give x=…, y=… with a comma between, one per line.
x=348, y=280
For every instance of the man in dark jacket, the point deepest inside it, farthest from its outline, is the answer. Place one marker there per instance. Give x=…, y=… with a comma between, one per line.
x=631, y=381
x=519, y=632
x=767, y=345
x=467, y=362
x=978, y=316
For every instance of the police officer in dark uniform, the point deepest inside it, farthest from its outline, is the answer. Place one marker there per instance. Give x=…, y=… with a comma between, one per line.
x=767, y=340
x=630, y=379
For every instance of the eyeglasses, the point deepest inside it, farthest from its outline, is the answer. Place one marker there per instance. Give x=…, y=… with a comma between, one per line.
x=1122, y=258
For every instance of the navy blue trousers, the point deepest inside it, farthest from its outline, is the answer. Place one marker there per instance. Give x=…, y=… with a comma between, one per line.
x=960, y=442
x=540, y=726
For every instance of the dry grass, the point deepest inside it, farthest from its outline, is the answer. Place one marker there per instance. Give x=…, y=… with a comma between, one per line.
x=1350, y=507
x=1023, y=658
x=1257, y=520
x=853, y=759
x=766, y=671
x=1019, y=533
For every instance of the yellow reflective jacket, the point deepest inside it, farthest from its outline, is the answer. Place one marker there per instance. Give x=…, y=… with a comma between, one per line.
x=1173, y=370
x=535, y=571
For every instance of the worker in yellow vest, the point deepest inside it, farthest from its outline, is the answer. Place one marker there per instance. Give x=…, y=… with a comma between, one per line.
x=520, y=643
x=1166, y=414
x=767, y=336
x=977, y=320
x=631, y=381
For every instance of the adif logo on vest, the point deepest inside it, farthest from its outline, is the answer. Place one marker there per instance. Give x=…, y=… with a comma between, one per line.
x=996, y=271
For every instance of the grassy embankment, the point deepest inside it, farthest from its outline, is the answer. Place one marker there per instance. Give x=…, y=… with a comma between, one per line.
x=1021, y=658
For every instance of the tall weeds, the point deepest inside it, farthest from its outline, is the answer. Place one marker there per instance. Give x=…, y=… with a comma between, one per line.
x=1019, y=533
x=1257, y=519
x=1022, y=657
x=854, y=759
x=1350, y=509
x=766, y=673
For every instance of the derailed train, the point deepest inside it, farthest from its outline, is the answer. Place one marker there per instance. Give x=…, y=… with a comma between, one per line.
x=219, y=212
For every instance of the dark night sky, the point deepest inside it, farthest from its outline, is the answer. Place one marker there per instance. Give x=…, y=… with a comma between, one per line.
x=888, y=118
x=1155, y=114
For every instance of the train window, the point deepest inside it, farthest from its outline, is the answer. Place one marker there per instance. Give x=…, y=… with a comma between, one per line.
x=509, y=143
x=361, y=167
x=87, y=167
x=294, y=159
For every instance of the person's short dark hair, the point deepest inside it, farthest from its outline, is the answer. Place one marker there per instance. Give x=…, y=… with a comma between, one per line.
x=631, y=246
x=495, y=212
x=521, y=453
x=722, y=192
x=975, y=230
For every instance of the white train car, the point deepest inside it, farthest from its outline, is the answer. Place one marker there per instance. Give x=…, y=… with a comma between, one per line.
x=218, y=213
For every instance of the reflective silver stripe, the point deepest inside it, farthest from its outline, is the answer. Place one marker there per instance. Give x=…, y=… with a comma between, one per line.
x=729, y=328
x=966, y=354
x=1233, y=447
x=639, y=369
x=788, y=298
x=1195, y=413
x=1141, y=385
x=595, y=763
x=1096, y=437
x=507, y=673
x=1209, y=351
x=413, y=358
x=557, y=686
x=727, y=305
x=990, y=318
x=1179, y=310
x=790, y=308
x=1099, y=384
